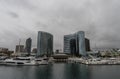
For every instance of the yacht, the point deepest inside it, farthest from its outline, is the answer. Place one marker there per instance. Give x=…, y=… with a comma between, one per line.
x=2, y=58
x=21, y=61
x=95, y=61
x=42, y=61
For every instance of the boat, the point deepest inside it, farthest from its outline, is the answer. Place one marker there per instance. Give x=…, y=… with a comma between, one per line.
x=2, y=58
x=21, y=61
x=42, y=61
x=95, y=61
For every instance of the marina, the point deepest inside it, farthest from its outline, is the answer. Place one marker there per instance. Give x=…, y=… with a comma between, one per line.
x=32, y=61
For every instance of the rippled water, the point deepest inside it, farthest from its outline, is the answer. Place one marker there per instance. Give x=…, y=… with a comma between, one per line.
x=60, y=71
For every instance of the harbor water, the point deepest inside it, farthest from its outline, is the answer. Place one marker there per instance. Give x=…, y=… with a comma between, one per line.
x=61, y=71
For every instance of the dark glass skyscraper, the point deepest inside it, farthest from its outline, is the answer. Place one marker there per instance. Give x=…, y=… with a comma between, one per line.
x=76, y=44
x=28, y=45
x=87, y=44
x=67, y=44
x=44, y=43
x=73, y=47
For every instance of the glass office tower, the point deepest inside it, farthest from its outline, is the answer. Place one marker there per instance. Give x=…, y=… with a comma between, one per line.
x=44, y=43
x=28, y=45
x=76, y=44
x=81, y=43
x=67, y=39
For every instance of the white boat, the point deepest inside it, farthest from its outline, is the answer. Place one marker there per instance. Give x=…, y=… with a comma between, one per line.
x=2, y=58
x=42, y=61
x=95, y=61
x=21, y=61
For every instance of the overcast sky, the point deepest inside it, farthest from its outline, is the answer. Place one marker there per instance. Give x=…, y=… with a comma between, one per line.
x=20, y=19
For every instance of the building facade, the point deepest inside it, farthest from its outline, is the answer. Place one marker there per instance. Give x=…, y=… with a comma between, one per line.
x=3, y=49
x=81, y=43
x=19, y=48
x=44, y=43
x=76, y=44
x=67, y=39
x=87, y=44
x=28, y=45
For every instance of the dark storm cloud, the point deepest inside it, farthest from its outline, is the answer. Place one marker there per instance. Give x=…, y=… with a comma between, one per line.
x=98, y=18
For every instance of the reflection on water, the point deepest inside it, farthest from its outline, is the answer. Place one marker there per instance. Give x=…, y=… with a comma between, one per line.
x=76, y=71
x=60, y=71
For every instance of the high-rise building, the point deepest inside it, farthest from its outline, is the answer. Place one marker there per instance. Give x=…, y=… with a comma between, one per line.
x=28, y=45
x=73, y=47
x=87, y=44
x=44, y=43
x=19, y=48
x=67, y=39
x=76, y=44
x=81, y=43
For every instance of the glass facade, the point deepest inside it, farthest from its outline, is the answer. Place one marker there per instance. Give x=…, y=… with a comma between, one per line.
x=28, y=45
x=67, y=39
x=75, y=44
x=87, y=44
x=44, y=43
x=81, y=43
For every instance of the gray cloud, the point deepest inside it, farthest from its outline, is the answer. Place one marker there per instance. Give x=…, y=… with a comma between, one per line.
x=98, y=18
x=14, y=15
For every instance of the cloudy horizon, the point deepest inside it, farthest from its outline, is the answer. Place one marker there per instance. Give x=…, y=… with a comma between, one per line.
x=21, y=19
